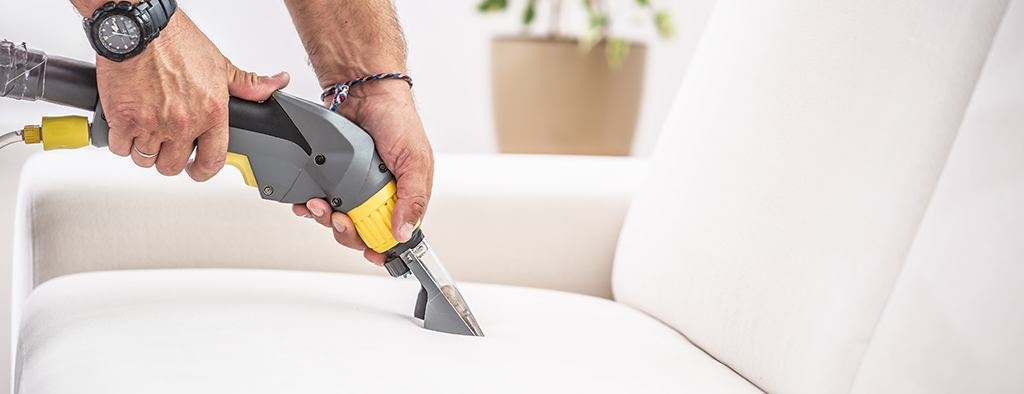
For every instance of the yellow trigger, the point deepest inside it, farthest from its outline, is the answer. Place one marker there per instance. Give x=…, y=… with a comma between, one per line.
x=241, y=162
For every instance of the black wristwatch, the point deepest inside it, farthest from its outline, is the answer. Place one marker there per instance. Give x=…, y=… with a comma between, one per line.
x=118, y=31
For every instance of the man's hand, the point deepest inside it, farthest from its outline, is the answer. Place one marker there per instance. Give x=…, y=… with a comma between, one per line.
x=346, y=40
x=174, y=96
x=386, y=111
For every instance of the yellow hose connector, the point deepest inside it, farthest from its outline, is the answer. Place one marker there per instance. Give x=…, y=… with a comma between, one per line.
x=373, y=218
x=65, y=132
x=31, y=134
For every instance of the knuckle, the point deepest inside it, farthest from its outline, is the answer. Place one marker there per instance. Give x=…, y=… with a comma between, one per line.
x=121, y=119
x=209, y=163
x=121, y=151
x=148, y=119
x=417, y=206
x=169, y=169
x=121, y=111
x=143, y=134
x=179, y=120
x=413, y=160
x=217, y=107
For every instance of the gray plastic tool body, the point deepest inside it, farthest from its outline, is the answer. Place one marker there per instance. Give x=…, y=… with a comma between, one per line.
x=298, y=150
x=284, y=170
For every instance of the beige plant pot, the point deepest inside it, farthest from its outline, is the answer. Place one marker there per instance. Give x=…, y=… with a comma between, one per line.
x=551, y=98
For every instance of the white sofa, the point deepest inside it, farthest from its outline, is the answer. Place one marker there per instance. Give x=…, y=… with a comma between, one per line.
x=836, y=205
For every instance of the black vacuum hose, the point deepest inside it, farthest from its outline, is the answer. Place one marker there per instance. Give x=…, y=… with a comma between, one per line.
x=29, y=74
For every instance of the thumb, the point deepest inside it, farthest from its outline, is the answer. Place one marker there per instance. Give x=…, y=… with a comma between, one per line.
x=413, y=194
x=253, y=87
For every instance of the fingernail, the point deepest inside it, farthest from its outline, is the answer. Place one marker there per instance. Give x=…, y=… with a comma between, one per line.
x=307, y=216
x=405, y=233
x=338, y=226
x=316, y=211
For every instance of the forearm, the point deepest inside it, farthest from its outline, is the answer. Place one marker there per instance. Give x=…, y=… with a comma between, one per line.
x=348, y=39
x=86, y=7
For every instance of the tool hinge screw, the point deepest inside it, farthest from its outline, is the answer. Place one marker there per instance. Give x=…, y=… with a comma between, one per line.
x=382, y=167
x=268, y=190
x=319, y=159
x=336, y=202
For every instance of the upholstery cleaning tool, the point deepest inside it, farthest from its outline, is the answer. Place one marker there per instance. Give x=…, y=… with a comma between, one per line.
x=290, y=149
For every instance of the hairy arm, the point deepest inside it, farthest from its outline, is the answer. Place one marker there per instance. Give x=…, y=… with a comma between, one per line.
x=349, y=39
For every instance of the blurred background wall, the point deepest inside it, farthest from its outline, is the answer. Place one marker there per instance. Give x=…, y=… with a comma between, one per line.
x=449, y=57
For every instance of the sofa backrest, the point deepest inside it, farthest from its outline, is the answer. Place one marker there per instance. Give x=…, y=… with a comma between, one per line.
x=955, y=320
x=792, y=175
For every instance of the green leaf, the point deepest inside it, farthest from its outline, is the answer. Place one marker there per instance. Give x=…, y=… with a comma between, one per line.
x=616, y=51
x=530, y=12
x=492, y=5
x=663, y=21
x=589, y=7
x=587, y=41
x=594, y=33
x=644, y=3
x=598, y=21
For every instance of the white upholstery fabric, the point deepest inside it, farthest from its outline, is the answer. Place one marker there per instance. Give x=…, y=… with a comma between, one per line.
x=264, y=331
x=955, y=321
x=791, y=177
x=89, y=210
x=492, y=219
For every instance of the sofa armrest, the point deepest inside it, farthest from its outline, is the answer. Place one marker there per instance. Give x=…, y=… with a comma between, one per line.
x=541, y=221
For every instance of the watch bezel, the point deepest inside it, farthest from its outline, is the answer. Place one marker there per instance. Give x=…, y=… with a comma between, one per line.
x=93, y=27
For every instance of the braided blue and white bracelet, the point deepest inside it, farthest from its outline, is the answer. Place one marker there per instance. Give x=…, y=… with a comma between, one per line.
x=340, y=90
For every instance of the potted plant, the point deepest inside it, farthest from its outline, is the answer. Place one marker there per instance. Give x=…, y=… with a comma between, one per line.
x=556, y=93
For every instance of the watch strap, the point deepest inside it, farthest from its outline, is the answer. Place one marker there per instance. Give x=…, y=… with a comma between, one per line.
x=155, y=14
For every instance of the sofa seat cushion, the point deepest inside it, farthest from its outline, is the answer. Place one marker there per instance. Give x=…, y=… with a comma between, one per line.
x=255, y=331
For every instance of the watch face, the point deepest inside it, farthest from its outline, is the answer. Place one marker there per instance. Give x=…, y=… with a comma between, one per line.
x=119, y=34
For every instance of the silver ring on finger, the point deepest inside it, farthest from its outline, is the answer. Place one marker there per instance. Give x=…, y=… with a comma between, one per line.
x=143, y=154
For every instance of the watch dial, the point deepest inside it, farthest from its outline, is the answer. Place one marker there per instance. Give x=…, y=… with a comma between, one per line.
x=119, y=34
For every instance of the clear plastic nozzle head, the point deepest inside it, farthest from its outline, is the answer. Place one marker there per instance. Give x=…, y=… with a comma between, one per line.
x=445, y=309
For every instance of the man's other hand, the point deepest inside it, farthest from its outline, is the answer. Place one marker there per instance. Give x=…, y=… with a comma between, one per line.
x=385, y=109
x=174, y=96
